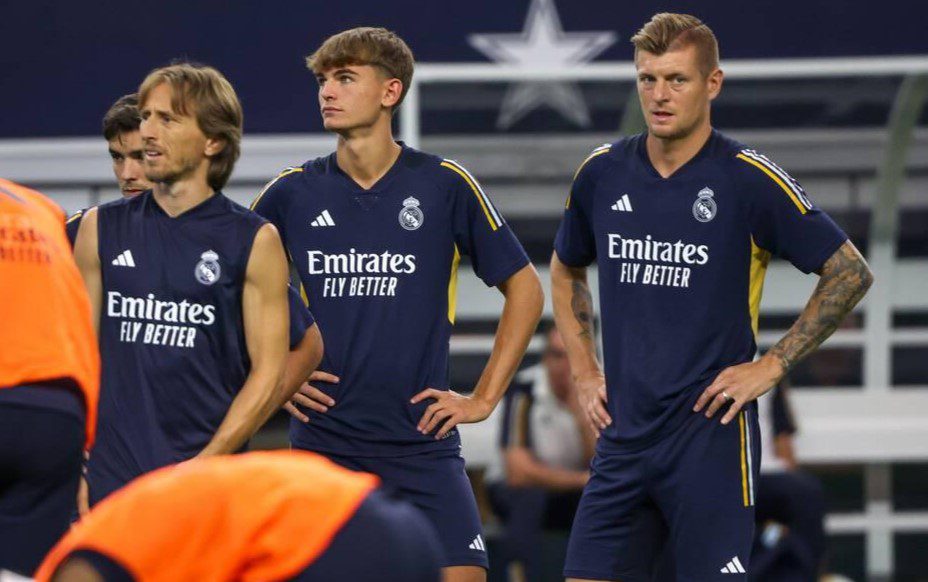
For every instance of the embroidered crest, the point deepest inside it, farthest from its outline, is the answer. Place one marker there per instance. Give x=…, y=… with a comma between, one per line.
x=705, y=209
x=411, y=216
x=208, y=270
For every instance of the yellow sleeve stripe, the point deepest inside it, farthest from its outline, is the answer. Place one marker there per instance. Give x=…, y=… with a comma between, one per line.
x=597, y=152
x=789, y=191
x=286, y=172
x=453, y=286
x=76, y=216
x=493, y=217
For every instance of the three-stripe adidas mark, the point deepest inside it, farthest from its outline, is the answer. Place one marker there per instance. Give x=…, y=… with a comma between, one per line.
x=478, y=544
x=124, y=259
x=324, y=219
x=733, y=567
x=623, y=204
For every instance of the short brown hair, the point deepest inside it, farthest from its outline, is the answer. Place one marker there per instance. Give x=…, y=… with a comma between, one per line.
x=667, y=31
x=122, y=117
x=366, y=45
x=203, y=92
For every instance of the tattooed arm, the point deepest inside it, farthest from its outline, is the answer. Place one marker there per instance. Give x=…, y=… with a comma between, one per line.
x=573, y=314
x=845, y=278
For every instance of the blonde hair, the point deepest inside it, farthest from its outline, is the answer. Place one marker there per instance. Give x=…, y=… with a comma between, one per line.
x=366, y=45
x=206, y=94
x=667, y=31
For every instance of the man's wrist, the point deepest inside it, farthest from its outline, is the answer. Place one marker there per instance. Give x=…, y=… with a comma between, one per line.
x=776, y=364
x=593, y=374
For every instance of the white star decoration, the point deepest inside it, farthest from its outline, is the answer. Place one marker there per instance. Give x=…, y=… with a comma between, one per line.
x=543, y=42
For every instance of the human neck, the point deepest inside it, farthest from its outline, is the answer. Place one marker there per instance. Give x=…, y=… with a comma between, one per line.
x=178, y=197
x=669, y=155
x=367, y=156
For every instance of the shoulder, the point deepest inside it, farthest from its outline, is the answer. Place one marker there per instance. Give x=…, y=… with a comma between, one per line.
x=446, y=172
x=605, y=156
x=762, y=176
x=288, y=180
x=121, y=205
x=18, y=192
x=246, y=215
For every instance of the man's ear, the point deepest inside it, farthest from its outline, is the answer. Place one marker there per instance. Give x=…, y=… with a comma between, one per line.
x=214, y=145
x=392, y=90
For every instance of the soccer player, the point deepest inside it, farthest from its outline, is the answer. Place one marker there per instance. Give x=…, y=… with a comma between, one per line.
x=681, y=222
x=49, y=377
x=278, y=515
x=189, y=291
x=121, y=131
x=376, y=230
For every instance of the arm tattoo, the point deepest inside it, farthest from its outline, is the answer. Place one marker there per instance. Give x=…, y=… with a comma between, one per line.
x=845, y=279
x=581, y=303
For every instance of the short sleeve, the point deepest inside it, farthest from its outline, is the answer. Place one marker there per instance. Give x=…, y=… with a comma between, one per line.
x=269, y=200
x=480, y=231
x=574, y=243
x=783, y=219
x=301, y=319
x=72, y=225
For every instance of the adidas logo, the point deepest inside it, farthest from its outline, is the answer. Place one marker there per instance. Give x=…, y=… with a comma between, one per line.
x=733, y=567
x=124, y=259
x=623, y=204
x=324, y=219
x=478, y=544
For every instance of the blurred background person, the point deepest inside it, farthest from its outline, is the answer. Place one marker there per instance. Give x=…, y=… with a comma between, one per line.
x=546, y=445
x=790, y=515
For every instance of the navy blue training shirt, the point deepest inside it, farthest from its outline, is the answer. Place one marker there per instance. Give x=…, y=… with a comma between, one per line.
x=379, y=268
x=172, y=336
x=300, y=317
x=681, y=265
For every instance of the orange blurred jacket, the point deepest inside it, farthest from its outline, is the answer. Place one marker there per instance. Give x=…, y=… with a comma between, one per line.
x=46, y=327
x=256, y=516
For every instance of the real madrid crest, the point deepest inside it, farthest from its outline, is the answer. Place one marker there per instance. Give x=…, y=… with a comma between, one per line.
x=411, y=216
x=208, y=270
x=705, y=209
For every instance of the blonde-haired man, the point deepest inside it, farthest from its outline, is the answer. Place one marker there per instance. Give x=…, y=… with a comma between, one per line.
x=376, y=230
x=681, y=221
x=189, y=292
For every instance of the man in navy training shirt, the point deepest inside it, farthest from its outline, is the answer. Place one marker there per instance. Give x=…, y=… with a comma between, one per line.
x=375, y=231
x=124, y=143
x=189, y=292
x=681, y=222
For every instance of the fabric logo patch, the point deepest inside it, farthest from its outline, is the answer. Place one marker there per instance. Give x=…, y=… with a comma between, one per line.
x=705, y=209
x=411, y=216
x=208, y=270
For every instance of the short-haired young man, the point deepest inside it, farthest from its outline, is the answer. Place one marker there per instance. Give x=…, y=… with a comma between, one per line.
x=682, y=221
x=375, y=231
x=189, y=291
x=124, y=142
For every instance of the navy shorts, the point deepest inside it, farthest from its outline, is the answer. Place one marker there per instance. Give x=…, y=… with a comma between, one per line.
x=686, y=501
x=41, y=444
x=436, y=484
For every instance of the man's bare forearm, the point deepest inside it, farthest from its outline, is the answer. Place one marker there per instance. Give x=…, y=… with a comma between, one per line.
x=250, y=409
x=524, y=303
x=573, y=314
x=845, y=278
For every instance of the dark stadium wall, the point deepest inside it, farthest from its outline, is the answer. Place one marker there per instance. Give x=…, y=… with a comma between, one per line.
x=63, y=63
